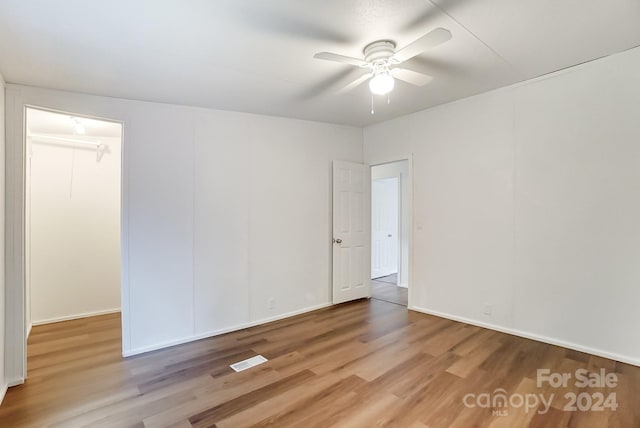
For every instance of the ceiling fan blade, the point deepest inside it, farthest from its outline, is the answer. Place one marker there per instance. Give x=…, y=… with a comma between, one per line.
x=328, y=56
x=410, y=76
x=328, y=85
x=359, y=81
x=428, y=41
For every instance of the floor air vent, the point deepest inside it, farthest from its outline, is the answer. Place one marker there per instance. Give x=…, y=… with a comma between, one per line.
x=248, y=363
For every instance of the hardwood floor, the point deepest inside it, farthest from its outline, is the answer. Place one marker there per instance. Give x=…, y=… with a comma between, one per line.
x=391, y=279
x=389, y=292
x=361, y=364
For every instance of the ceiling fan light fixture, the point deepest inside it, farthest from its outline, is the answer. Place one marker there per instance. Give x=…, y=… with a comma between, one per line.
x=381, y=84
x=380, y=56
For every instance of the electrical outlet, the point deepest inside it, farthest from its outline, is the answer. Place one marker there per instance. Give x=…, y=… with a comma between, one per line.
x=487, y=310
x=272, y=303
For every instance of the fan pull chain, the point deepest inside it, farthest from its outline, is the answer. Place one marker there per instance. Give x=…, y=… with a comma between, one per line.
x=372, y=110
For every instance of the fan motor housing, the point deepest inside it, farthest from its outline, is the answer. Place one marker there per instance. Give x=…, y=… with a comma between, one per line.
x=380, y=50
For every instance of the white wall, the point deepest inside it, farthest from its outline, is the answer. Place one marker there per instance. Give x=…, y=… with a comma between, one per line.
x=74, y=229
x=399, y=169
x=526, y=199
x=3, y=380
x=222, y=212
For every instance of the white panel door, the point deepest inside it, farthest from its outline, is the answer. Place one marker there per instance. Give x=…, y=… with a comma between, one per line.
x=351, y=231
x=384, y=226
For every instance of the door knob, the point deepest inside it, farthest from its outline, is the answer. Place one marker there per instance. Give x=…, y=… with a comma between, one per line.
x=389, y=236
x=337, y=241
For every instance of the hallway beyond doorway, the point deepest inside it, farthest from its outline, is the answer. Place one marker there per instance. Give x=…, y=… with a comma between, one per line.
x=385, y=289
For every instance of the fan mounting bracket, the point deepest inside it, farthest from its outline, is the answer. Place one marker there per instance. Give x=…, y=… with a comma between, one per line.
x=379, y=51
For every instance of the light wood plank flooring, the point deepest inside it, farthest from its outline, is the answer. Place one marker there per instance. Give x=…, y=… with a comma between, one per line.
x=389, y=292
x=391, y=279
x=361, y=364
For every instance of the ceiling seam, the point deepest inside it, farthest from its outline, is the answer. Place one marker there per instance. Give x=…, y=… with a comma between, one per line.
x=514, y=68
x=586, y=62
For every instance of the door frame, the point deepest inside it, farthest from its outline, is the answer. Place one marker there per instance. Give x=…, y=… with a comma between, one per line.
x=16, y=325
x=409, y=159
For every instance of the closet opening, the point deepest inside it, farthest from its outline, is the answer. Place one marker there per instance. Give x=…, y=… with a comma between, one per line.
x=73, y=175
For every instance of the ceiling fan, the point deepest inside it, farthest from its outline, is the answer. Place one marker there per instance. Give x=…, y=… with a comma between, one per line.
x=381, y=60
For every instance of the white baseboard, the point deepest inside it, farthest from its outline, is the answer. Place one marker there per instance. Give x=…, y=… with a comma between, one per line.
x=532, y=336
x=76, y=316
x=15, y=382
x=200, y=336
x=29, y=327
x=3, y=392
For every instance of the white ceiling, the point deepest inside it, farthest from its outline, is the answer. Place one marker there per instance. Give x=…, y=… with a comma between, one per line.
x=257, y=56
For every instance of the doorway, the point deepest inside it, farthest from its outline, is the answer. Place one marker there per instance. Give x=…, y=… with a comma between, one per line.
x=72, y=219
x=390, y=232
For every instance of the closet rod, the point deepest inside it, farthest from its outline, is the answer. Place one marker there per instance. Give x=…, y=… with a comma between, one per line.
x=65, y=140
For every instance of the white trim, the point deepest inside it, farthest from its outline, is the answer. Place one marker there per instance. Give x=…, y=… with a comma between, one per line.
x=15, y=382
x=206, y=335
x=29, y=328
x=391, y=159
x=532, y=336
x=16, y=323
x=75, y=317
x=3, y=390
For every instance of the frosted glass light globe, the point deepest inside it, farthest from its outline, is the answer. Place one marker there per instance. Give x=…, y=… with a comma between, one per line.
x=381, y=84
